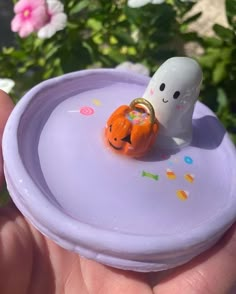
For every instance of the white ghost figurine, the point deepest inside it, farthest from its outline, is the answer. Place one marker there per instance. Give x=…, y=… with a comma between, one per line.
x=173, y=91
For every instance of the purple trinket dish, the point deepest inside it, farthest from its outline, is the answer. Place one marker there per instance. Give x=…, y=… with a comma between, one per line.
x=146, y=214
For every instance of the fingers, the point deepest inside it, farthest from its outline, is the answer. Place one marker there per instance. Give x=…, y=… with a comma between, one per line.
x=6, y=106
x=212, y=272
x=99, y=278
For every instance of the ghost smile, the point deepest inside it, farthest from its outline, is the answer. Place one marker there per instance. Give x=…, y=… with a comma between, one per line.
x=163, y=100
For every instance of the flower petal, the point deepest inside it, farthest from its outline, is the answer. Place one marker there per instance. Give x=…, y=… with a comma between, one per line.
x=39, y=17
x=46, y=32
x=157, y=1
x=26, y=29
x=137, y=3
x=57, y=23
x=23, y=4
x=16, y=23
x=20, y=5
x=6, y=85
x=54, y=6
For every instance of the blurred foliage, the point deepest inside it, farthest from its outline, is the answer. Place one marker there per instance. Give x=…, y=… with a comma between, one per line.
x=219, y=67
x=103, y=33
x=4, y=197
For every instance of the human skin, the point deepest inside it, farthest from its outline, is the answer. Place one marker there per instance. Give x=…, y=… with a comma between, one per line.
x=30, y=263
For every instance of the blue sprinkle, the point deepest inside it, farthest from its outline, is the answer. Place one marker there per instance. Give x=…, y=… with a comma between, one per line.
x=188, y=160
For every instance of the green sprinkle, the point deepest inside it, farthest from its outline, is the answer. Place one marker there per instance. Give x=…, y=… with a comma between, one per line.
x=149, y=175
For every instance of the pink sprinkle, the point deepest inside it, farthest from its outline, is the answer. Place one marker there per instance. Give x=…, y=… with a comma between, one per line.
x=151, y=92
x=86, y=110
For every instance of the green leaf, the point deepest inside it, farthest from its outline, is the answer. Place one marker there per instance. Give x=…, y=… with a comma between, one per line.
x=72, y=25
x=212, y=42
x=52, y=51
x=219, y=72
x=227, y=55
x=210, y=58
x=190, y=37
x=94, y=24
x=192, y=18
x=79, y=6
x=133, y=15
x=123, y=37
x=231, y=12
x=75, y=58
x=221, y=99
x=223, y=32
x=8, y=50
x=208, y=96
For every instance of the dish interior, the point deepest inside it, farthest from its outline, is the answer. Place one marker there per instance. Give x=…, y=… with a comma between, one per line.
x=164, y=193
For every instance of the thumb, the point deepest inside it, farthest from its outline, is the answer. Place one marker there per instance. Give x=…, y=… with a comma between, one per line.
x=6, y=106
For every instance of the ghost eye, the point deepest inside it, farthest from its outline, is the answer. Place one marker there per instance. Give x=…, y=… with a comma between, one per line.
x=162, y=87
x=176, y=94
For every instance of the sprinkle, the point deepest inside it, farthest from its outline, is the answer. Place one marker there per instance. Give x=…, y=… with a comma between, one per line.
x=96, y=102
x=86, y=110
x=189, y=178
x=182, y=195
x=137, y=118
x=149, y=175
x=188, y=160
x=170, y=174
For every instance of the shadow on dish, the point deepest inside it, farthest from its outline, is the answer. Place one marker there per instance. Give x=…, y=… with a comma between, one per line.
x=208, y=132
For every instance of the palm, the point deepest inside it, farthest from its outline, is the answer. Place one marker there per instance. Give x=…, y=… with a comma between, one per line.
x=35, y=264
x=31, y=263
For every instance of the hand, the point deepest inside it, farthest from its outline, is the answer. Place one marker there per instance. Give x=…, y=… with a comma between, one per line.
x=32, y=264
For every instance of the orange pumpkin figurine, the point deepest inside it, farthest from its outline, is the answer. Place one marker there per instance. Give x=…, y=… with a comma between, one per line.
x=131, y=130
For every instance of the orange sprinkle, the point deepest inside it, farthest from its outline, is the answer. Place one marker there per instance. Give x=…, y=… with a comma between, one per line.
x=170, y=174
x=189, y=178
x=182, y=195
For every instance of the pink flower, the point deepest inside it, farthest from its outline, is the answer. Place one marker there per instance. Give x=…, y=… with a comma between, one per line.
x=30, y=16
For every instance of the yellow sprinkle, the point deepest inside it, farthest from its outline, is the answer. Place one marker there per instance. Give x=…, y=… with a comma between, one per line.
x=97, y=102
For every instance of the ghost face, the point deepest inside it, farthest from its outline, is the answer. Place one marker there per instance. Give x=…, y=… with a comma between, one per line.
x=173, y=91
x=168, y=98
